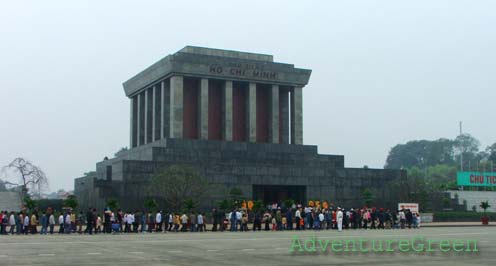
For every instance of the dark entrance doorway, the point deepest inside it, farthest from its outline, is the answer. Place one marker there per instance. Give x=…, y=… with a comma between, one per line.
x=277, y=194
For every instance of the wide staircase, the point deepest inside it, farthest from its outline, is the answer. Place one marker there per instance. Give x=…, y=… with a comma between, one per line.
x=10, y=201
x=474, y=198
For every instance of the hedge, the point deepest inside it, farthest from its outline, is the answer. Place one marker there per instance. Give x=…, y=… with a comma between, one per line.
x=462, y=216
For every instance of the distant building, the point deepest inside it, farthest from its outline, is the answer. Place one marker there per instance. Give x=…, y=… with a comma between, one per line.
x=10, y=201
x=237, y=117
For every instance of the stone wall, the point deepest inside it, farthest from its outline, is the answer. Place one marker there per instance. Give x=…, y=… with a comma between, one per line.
x=241, y=165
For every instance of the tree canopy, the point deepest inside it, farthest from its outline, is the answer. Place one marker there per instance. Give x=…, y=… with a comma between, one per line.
x=179, y=186
x=427, y=153
x=32, y=178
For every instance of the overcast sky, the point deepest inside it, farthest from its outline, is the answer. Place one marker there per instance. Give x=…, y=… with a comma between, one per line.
x=384, y=72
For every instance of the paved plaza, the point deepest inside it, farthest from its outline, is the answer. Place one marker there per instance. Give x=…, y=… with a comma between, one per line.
x=247, y=248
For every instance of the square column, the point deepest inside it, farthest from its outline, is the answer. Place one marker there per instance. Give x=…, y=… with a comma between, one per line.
x=274, y=115
x=284, y=115
x=228, y=110
x=165, y=109
x=139, y=121
x=203, y=101
x=147, y=102
x=153, y=112
x=252, y=112
x=162, y=114
x=296, y=116
x=176, y=106
x=132, y=119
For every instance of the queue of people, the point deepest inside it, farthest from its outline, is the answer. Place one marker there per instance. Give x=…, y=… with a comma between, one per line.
x=274, y=218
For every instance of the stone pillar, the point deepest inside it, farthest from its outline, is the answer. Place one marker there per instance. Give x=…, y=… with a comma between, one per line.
x=297, y=116
x=153, y=112
x=284, y=106
x=252, y=112
x=228, y=110
x=274, y=114
x=203, y=102
x=176, y=106
x=131, y=133
x=147, y=101
x=162, y=109
x=138, y=123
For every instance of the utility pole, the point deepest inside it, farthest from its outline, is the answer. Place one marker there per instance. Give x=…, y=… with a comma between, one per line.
x=462, y=149
x=461, y=152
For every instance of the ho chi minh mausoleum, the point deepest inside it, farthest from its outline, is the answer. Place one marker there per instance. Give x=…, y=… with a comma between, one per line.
x=237, y=118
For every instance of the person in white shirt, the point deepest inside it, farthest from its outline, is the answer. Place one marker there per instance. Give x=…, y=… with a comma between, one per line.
x=67, y=224
x=238, y=219
x=61, y=224
x=402, y=217
x=184, y=222
x=171, y=221
x=158, y=222
x=26, y=224
x=321, y=220
x=200, y=222
x=12, y=223
x=51, y=223
x=297, y=218
x=129, y=218
x=339, y=218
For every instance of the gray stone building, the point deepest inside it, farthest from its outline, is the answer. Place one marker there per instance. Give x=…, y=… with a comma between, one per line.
x=237, y=117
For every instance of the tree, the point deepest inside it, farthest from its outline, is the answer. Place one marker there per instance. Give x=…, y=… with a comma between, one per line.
x=29, y=203
x=31, y=176
x=288, y=203
x=190, y=204
x=71, y=202
x=121, y=150
x=421, y=153
x=112, y=203
x=491, y=150
x=150, y=204
x=367, y=197
x=225, y=205
x=257, y=205
x=468, y=150
x=177, y=184
x=484, y=205
x=236, y=195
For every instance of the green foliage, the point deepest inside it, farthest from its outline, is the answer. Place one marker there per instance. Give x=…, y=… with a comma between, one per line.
x=179, y=184
x=190, y=204
x=461, y=216
x=491, y=151
x=236, y=197
x=424, y=154
x=150, y=204
x=56, y=204
x=225, y=205
x=367, y=197
x=71, y=202
x=257, y=205
x=29, y=203
x=421, y=153
x=113, y=204
x=484, y=205
x=288, y=203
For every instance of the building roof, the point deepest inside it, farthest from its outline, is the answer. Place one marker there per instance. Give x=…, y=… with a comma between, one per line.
x=218, y=64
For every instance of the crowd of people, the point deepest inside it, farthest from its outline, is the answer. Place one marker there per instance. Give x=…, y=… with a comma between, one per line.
x=274, y=218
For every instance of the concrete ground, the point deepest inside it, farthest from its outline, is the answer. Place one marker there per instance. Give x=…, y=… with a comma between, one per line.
x=247, y=248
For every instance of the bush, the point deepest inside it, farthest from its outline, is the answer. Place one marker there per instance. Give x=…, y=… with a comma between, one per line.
x=462, y=216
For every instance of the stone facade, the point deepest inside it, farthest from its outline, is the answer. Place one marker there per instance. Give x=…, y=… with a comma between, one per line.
x=238, y=119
